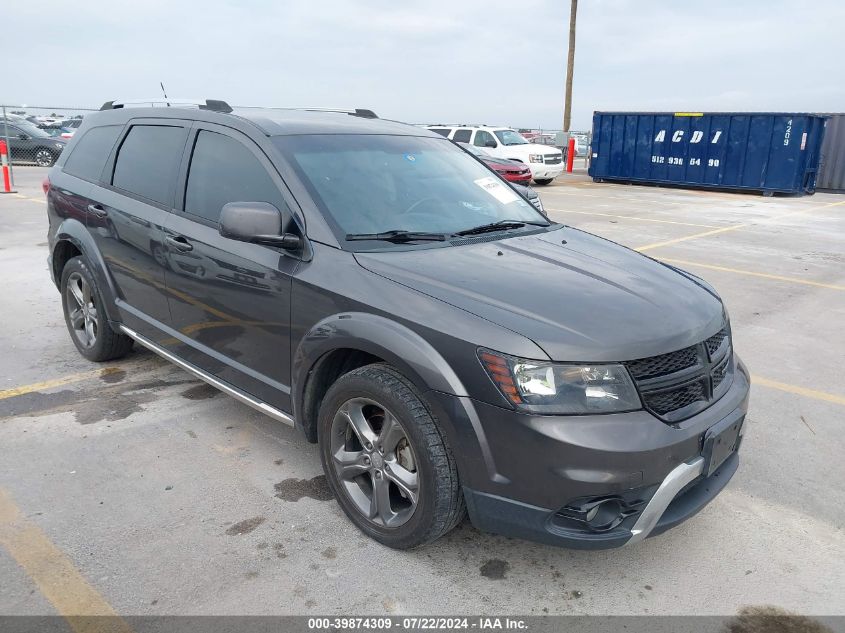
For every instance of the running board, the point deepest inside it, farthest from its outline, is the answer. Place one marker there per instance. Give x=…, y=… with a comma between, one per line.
x=225, y=387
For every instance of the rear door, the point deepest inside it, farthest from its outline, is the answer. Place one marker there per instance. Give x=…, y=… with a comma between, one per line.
x=230, y=301
x=126, y=212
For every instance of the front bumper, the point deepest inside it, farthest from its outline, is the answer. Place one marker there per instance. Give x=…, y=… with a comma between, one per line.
x=523, y=473
x=542, y=171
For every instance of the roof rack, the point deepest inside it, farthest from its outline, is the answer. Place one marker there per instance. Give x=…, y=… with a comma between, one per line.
x=360, y=112
x=221, y=106
x=203, y=104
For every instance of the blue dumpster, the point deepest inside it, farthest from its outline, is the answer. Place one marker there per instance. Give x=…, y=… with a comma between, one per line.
x=768, y=152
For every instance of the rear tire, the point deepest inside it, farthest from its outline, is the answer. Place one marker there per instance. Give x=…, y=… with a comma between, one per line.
x=379, y=441
x=85, y=317
x=543, y=181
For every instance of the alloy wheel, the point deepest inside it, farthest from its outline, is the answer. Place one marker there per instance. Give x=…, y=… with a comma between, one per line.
x=374, y=462
x=81, y=310
x=43, y=158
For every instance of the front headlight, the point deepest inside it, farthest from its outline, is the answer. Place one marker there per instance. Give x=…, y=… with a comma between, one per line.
x=535, y=158
x=559, y=388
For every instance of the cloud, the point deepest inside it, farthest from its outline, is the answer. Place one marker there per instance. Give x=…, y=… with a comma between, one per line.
x=435, y=61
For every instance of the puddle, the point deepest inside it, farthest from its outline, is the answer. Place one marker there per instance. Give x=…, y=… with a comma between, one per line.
x=295, y=489
x=245, y=527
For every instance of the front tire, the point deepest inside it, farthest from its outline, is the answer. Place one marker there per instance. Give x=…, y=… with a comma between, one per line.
x=85, y=317
x=543, y=181
x=386, y=460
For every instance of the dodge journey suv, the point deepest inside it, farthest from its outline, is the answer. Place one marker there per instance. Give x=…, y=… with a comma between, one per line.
x=449, y=348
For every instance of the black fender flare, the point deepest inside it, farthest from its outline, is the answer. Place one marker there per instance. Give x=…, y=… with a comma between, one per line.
x=415, y=358
x=395, y=343
x=73, y=231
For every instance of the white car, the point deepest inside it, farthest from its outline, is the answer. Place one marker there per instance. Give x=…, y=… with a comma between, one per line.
x=545, y=162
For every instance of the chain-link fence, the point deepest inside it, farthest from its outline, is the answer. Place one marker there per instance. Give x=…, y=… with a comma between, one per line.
x=36, y=135
x=560, y=139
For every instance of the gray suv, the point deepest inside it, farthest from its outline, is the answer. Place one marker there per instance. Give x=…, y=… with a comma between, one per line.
x=449, y=348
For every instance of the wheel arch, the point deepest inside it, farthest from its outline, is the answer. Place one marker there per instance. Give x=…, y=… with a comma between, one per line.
x=73, y=239
x=343, y=342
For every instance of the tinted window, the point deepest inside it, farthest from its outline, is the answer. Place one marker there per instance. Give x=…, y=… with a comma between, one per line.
x=148, y=160
x=90, y=153
x=482, y=138
x=442, y=131
x=223, y=170
x=462, y=136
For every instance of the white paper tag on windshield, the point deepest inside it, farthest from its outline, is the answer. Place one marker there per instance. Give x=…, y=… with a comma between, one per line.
x=496, y=189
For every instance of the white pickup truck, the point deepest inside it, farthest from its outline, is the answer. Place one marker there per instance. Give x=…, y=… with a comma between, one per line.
x=544, y=161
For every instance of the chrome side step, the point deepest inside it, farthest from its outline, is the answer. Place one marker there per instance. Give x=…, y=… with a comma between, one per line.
x=225, y=387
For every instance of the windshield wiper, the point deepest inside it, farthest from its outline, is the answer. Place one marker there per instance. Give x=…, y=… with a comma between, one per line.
x=397, y=236
x=501, y=225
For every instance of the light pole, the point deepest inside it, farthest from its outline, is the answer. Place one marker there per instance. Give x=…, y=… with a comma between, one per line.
x=570, y=67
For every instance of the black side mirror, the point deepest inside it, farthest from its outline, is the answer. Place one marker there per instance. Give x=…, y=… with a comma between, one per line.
x=490, y=144
x=259, y=223
x=23, y=137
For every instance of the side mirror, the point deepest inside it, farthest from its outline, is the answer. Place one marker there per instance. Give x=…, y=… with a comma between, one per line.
x=490, y=144
x=23, y=137
x=259, y=223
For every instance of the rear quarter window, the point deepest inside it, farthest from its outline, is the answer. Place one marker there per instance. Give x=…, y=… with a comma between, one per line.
x=148, y=161
x=462, y=136
x=89, y=155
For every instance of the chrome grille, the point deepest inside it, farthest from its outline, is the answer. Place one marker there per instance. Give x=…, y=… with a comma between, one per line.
x=679, y=384
x=553, y=159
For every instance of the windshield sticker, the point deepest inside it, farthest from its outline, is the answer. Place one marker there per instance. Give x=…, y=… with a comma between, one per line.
x=496, y=189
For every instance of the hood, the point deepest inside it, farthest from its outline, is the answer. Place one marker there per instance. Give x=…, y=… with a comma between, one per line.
x=521, y=151
x=584, y=300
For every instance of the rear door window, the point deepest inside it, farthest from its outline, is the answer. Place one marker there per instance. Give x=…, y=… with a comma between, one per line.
x=224, y=170
x=442, y=131
x=148, y=161
x=462, y=136
x=88, y=157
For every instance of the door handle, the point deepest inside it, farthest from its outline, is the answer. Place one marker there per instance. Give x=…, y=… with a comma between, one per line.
x=97, y=210
x=179, y=243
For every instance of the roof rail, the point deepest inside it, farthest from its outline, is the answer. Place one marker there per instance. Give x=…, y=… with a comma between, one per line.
x=360, y=112
x=203, y=104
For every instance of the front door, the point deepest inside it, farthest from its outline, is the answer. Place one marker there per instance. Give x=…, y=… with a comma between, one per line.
x=230, y=301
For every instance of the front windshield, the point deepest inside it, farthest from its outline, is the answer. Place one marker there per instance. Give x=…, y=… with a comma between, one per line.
x=368, y=183
x=509, y=137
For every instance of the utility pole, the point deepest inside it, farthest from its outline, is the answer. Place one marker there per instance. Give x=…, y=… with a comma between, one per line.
x=570, y=67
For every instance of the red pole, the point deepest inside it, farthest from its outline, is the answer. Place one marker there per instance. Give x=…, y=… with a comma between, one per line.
x=570, y=154
x=4, y=160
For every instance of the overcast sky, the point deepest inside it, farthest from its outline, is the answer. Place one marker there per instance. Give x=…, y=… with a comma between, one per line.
x=435, y=61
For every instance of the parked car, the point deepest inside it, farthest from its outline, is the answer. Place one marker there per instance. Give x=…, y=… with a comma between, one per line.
x=30, y=144
x=545, y=163
x=69, y=127
x=532, y=196
x=447, y=347
x=510, y=170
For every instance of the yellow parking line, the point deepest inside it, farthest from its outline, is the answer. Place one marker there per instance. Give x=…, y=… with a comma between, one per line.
x=794, y=280
x=801, y=391
x=695, y=236
x=631, y=217
x=55, y=574
x=56, y=382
